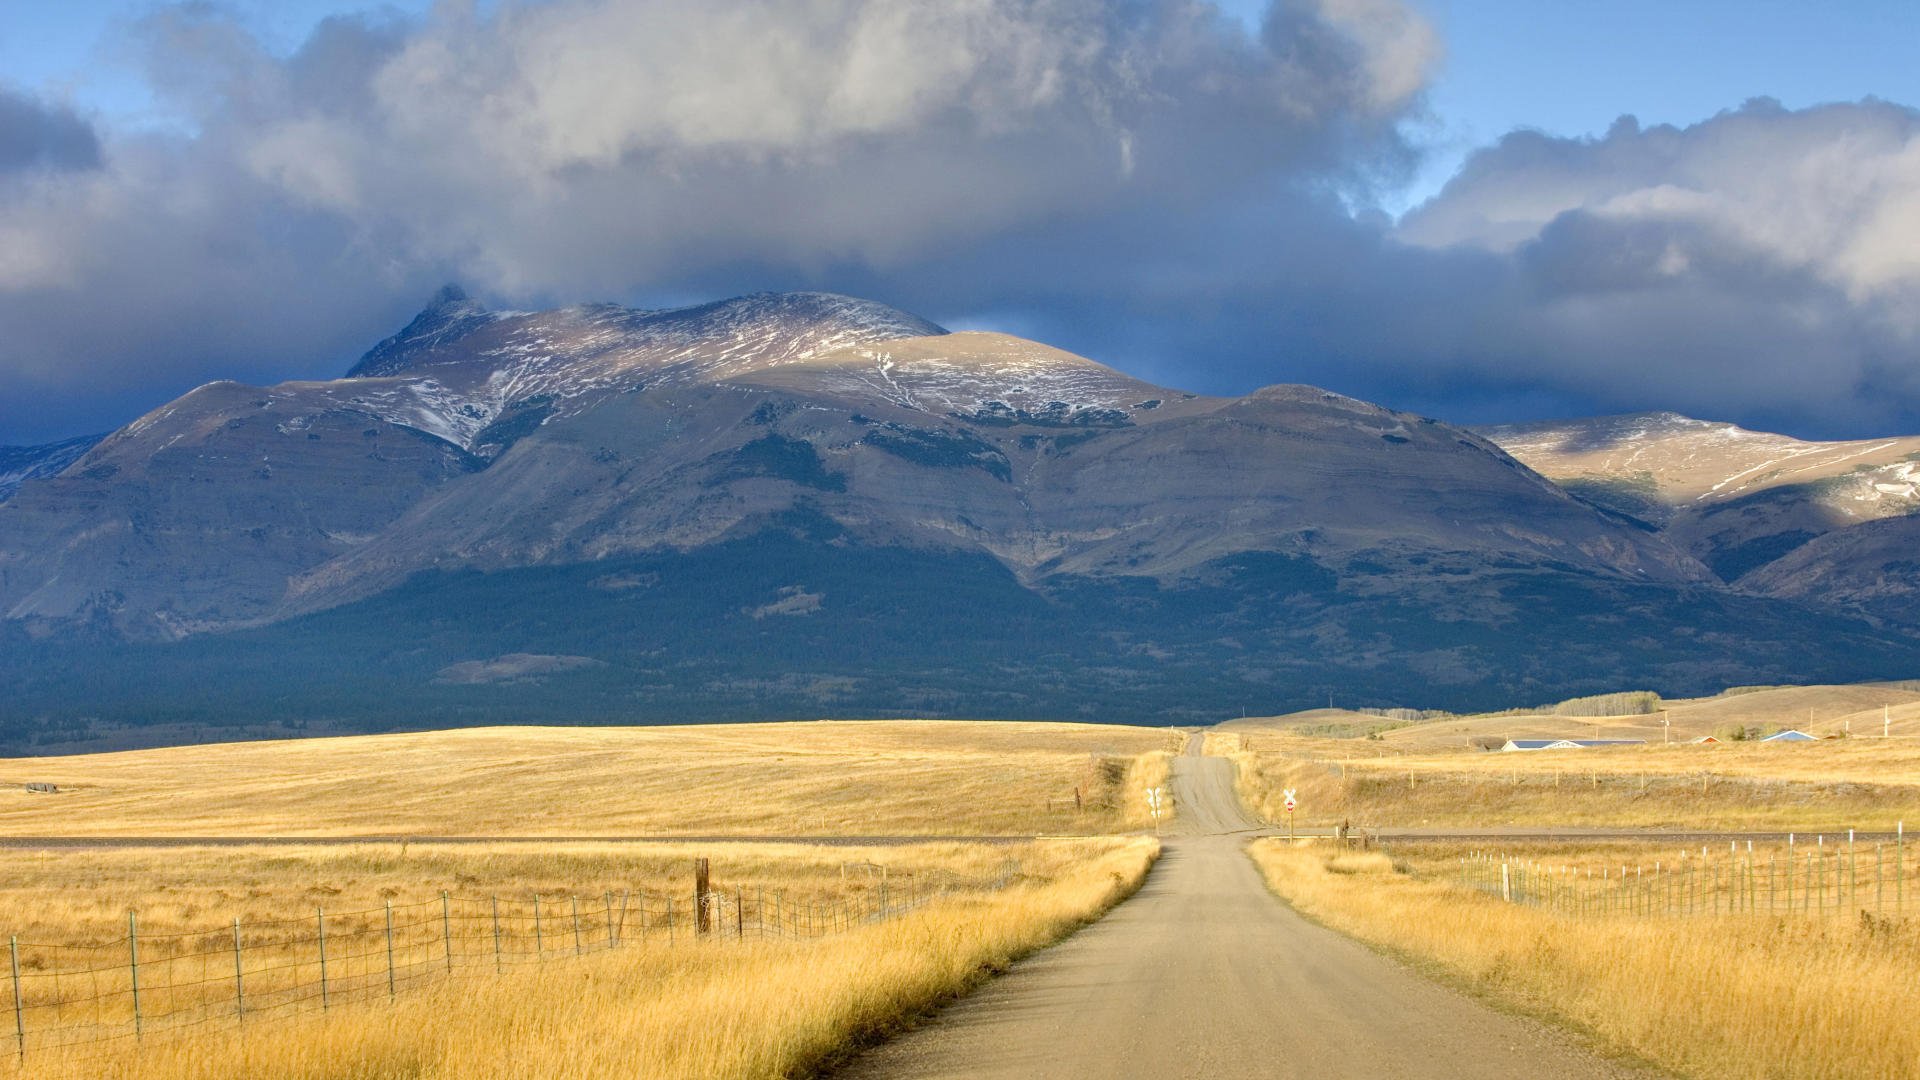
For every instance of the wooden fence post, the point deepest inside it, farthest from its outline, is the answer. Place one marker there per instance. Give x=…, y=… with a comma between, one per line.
x=446, y=927
x=133, y=966
x=19, y=1016
x=320, y=920
x=620, y=933
x=703, y=911
x=390, y=992
x=576, y=926
x=611, y=940
x=239, y=985
x=497, y=967
x=739, y=915
x=539, y=940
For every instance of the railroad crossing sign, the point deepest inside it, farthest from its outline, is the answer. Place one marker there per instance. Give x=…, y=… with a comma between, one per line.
x=1290, y=806
x=1290, y=802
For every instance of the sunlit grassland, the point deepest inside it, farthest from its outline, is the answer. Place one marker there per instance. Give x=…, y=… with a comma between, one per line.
x=790, y=779
x=719, y=1009
x=83, y=895
x=1713, y=996
x=1864, y=783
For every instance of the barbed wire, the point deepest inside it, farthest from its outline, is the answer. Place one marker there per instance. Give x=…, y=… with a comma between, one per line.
x=87, y=999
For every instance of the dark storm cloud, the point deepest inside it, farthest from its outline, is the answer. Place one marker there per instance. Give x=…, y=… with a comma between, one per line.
x=36, y=134
x=592, y=148
x=1146, y=182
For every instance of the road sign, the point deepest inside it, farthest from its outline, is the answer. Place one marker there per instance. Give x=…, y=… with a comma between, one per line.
x=1290, y=802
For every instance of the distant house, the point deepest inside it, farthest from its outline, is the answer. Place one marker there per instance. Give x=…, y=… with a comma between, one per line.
x=1703, y=739
x=1790, y=736
x=1566, y=744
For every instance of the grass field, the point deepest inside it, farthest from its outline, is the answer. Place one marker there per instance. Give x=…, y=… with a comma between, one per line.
x=803, y=779
x=744, y=1008
x=1728, y=996
x=1376, y=772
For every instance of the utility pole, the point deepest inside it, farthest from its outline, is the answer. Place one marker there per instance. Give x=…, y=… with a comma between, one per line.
x=1666, y=726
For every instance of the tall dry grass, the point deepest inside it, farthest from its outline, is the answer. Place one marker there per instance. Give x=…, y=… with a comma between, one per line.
x=1862, y=783
x=1711, y=997
x=785, y=779
x=720, y=1010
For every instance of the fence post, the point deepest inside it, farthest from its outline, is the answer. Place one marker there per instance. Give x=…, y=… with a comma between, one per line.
x=390, y=993
x=320, y=919
x=133, y=965
x=497, y=968
x=1506, y=883
x=239, y=985
x=19, y=1016
x=669, y=921
x=739, y=915
x=760, y=911
x=446, y=927
x=611, y=940
x=539, y=939
x=576, y=926
x=703, y=909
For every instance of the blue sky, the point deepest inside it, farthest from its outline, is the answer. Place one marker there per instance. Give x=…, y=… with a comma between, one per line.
x=1179, y=202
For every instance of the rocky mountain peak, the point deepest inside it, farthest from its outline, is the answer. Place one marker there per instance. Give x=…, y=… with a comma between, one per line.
x=449, y=316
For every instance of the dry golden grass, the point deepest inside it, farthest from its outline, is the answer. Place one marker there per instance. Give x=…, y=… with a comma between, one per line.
x=721, y=1010
x=803, y=779
x=79, y=895
x=1862, y=783
x=1818, y=710
x=1712, y=997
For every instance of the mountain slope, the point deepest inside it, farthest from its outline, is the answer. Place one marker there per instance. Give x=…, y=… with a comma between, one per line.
x=19, y=464
x=1734, y=498
x=800, y=503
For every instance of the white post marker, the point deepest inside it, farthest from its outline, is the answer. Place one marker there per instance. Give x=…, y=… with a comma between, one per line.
x=1290, y=805
x=1153, y=806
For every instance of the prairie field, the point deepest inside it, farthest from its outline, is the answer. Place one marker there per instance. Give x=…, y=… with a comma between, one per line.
x=1366, y=770
x=663, y=1005
x=1741, y=995
x=481, y=956
x=790, y=779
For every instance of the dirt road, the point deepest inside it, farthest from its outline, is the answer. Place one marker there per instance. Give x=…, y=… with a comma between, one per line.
x=1205, y=974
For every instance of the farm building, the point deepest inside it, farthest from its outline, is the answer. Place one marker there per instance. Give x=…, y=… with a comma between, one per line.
x=1567, y=744
x=1791, y=736
x=1703, y=740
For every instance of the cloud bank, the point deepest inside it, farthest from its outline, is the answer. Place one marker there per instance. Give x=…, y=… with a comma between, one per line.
x=1145, y=181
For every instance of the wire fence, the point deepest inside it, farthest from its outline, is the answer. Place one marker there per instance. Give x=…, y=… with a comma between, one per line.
x=1829, y=876
x=78, y=999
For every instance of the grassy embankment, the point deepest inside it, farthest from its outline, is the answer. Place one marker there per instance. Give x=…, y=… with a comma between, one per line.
x=752, y=1008
x=1708, y=996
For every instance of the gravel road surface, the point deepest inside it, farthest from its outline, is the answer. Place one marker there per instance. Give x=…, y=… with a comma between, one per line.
x=1205, y=974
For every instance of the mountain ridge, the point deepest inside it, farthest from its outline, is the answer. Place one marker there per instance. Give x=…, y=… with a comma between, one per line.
x=838, y=474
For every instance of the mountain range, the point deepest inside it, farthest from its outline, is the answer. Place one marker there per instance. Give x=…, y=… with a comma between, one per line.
x=804, y=504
